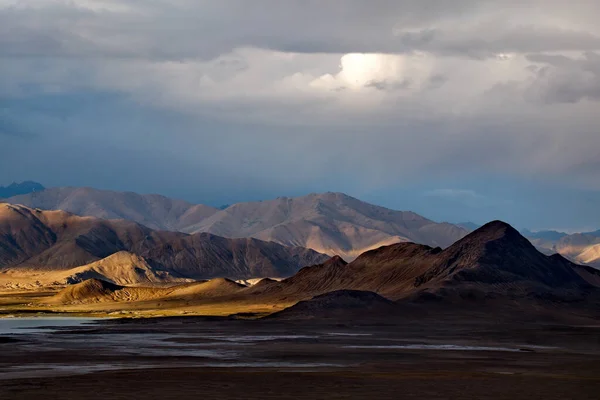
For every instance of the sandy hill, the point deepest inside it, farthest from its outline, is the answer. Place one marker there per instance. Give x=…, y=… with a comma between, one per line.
x=91, y=290
x=122, y=268
x=214, y=288
x=330, y=223
x=32, y=239
x=151, y=210
x=100, y=291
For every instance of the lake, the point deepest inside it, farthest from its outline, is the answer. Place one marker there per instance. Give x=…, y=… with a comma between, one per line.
x=42, y=324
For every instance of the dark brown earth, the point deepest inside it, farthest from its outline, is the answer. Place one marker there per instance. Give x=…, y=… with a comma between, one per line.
x=163, y=358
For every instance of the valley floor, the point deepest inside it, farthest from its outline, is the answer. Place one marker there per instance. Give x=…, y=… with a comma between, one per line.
x=439, y=356
x=15, y=303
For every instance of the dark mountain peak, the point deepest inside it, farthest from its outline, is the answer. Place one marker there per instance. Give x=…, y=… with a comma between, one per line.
x=497, y=253
x=335, y=261
x=495, y=233
x=402, y=250
x=487, y=245
x=497, y=227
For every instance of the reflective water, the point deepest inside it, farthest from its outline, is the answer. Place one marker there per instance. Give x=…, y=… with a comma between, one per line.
x=41, y=324
x=66, y=346
x=450, y=347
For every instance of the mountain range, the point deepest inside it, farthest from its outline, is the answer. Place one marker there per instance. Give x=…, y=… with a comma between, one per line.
x=330, y=223
x=38, y=240
x=492, y=261
x=107, y=261
x=15, y=189
x=154, y=211
x=494, y=265
x=583, y=248
x=579, y=247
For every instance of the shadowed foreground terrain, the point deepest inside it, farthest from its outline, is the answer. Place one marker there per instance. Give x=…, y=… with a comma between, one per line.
x=435, y=355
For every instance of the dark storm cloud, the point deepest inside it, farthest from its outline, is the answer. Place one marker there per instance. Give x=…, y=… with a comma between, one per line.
x=205, y=29
x=566, y=80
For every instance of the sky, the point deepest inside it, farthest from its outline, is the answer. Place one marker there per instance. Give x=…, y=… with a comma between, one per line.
x=463, y=110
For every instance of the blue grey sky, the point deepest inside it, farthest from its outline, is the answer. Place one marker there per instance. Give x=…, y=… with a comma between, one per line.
x=466, y=110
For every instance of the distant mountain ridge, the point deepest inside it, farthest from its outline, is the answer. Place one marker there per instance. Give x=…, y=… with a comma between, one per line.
x=579, y=247
x=331, y=223
x=470, y=226
x=152, y=210
x=15, y=189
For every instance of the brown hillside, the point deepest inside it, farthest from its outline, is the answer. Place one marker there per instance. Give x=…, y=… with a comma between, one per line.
x=494, y=260
x=205, y=256
x=55, y=240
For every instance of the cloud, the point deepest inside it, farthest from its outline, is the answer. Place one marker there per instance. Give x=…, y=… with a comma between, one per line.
x=177, y=30
x=467, y=197
x=373, y=95
x=562, y=79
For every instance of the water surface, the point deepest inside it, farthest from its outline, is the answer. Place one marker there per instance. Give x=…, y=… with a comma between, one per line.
x=41, y=324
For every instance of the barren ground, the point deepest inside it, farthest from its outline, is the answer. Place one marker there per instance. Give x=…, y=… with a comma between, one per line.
x=433, y=357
